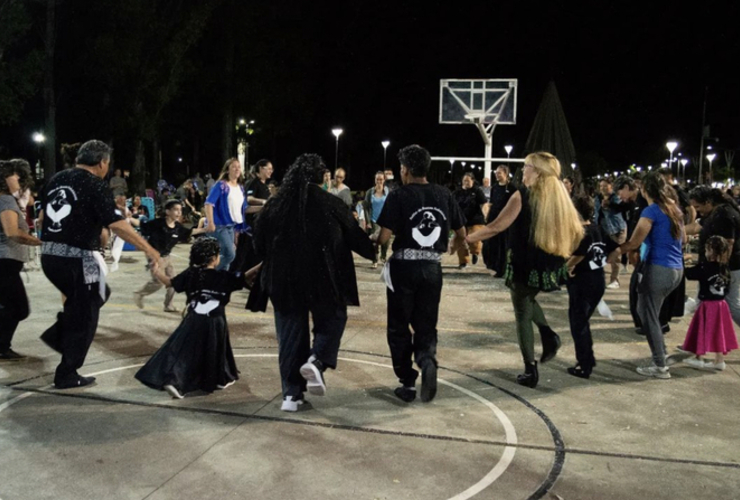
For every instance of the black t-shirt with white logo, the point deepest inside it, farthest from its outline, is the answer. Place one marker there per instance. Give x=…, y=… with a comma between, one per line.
x=595, y=247
x=421, y=217
x=714, y=279
x=77, y=205
x=208, y=290
x=163, y=237
x=470, y=201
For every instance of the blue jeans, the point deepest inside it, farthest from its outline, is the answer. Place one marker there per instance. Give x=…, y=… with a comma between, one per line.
x=225, y=237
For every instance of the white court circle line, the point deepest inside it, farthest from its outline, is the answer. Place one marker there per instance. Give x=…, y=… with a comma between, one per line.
x=503, y=463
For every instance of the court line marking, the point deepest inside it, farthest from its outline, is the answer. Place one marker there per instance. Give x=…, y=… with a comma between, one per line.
x=501, y=465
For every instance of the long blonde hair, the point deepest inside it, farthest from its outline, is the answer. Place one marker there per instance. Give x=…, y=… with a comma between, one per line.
x=556, y=226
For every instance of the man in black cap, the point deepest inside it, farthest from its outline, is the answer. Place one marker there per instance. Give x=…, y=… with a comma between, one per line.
x=77, y=205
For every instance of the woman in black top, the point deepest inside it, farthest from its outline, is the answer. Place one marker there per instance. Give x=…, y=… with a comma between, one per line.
x=545, y=229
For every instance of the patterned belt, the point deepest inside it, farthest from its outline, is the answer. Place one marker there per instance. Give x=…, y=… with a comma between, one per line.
x=412, y=254
x=91, y=267
x=63, y=250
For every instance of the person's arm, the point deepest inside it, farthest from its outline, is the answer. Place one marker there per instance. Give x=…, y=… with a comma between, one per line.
x=157, y=273
x=255, y=201
x=383, y=237
x=505, y=219
x=458, y=240
x=125, y=231
x=253, y=209
x=9, y=220
x=573, y=262
x=211, y=227
x=693, y=228
x=644, y=225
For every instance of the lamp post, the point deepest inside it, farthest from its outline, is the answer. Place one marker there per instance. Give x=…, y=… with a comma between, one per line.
x=242, y=147
x=671, y=146
x=337, y=132
x=39, y=139
x=683, y=163
x=710, y=157
x=385, y=145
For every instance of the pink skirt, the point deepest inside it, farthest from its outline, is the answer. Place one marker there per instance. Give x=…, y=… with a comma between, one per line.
x=711, y=329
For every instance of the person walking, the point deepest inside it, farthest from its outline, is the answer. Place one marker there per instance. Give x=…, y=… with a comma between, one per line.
x=340, y=189
x=661, y=229
x=494, y=249
x=77, y=204
x=421, y=216
x=374, y=201
x=225, y=208
x=305, y=238
x=472, y=203
x=545, y=229
x=15, y=178
x=608, y=215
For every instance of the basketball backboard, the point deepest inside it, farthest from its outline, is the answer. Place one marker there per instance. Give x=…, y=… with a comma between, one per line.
x=489, y=101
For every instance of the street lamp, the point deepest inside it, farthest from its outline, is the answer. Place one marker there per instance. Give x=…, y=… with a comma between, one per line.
x=508, y=148
x=39, y=139
x=671, y=145
x=683, y=162
x=337, y=132
x=385, y=145
x=710, y=157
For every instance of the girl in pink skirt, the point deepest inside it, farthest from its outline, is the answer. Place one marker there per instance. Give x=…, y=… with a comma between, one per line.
x=711, y=328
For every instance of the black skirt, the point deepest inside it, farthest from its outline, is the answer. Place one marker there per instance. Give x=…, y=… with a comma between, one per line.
x=197, y=356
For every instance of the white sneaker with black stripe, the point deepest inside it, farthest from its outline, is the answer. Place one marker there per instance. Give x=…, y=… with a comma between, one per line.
x=312, y=372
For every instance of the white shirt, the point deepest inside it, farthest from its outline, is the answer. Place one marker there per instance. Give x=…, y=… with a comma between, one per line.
x=236, y=202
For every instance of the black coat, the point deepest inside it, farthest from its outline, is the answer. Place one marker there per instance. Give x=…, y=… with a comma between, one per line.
x=309, y=263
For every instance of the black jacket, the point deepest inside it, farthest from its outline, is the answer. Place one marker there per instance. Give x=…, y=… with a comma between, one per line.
x=309, y=263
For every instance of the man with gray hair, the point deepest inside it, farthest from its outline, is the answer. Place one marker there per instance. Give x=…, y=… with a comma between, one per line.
x=77, y=205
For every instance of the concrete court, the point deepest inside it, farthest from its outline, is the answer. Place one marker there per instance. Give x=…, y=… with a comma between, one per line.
x=615, y=436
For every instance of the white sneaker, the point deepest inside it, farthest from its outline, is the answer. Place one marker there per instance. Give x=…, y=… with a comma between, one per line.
x=290, y=404
x=613, y=285
x=711, y=365
x=654, y=371
x=314, y=378
x=172, y=391
x=226, y=385
x=695, y=363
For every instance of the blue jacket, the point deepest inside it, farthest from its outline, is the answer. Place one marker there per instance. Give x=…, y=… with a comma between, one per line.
x=219, y=198
x=610, y=220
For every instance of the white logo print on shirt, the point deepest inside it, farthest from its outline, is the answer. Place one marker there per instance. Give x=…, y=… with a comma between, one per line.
x=59, y=208
x=428, y=231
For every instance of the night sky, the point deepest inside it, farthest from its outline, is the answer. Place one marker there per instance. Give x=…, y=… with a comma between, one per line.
x=629, y=79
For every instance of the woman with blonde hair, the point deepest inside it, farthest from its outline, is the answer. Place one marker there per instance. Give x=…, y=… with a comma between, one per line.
x=545, y=229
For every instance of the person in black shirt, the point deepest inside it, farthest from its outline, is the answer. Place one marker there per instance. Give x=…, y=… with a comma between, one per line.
x=420, y=215
x=305, y=237
x=719, y=217
x=472, y=201
x=163, y=234
x=711, y=327
x=494, y=249
x=77, y=205
x=586, y=285
x=257, y=192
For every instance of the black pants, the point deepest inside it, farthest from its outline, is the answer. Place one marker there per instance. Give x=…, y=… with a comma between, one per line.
x=584, y=291
x=13, y=301
x=75, y=328
x=294, y=342
x=414, y=302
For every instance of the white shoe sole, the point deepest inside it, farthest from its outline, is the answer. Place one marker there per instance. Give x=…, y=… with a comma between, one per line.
x=660, y=375
x=226, y=386
x=291, y=406
x=315, y=383
x=172, y=391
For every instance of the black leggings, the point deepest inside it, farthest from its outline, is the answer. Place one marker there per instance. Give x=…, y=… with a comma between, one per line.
x=13, y=301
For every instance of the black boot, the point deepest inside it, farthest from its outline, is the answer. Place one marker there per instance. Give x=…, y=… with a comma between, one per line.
x=530, y=377
x=550, y=344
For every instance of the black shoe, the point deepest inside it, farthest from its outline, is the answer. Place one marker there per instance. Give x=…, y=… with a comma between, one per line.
x=11, y=355
x=462, y=266
x=550, y=344
x=579, y=371
x=665, y=328
x=530, y=377
x=428, y=380
x=78, y=382
x=406, y=394
x=475, y=259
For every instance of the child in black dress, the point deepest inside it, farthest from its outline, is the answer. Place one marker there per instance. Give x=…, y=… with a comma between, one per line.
x=586, y=285
x=198, y=354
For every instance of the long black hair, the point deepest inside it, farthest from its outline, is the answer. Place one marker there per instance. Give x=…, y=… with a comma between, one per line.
x=202, y=253
x=15, y=166
x=661, y=193
x=291, y=199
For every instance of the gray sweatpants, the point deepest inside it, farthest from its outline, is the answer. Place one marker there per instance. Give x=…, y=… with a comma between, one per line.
x=733, y=297
x=656, y=284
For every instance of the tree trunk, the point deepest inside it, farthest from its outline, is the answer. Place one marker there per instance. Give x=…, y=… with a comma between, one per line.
x=138, y=174
x=227, y=115
x=155, y=173
x=50, y=131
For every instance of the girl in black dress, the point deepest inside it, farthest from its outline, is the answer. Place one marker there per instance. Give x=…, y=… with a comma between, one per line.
x=198, y=354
